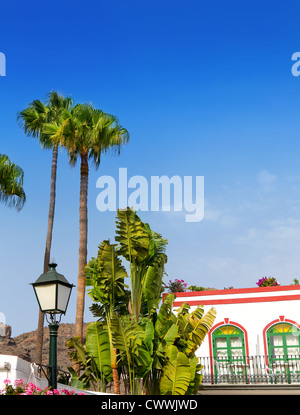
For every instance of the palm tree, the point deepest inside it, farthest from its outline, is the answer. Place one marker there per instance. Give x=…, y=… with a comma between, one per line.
x=86, y=133
x=11, y=183
x=33, y=119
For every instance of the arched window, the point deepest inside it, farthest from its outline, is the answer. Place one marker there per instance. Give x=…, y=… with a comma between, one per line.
x=284, y=350
x=229, y=354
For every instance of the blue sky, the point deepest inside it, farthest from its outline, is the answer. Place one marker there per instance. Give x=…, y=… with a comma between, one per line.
x=204, y=88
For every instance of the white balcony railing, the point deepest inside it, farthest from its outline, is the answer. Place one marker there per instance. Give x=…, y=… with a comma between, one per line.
x=251, y=370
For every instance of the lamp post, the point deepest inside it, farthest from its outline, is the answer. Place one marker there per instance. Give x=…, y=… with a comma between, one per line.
x=53, y=292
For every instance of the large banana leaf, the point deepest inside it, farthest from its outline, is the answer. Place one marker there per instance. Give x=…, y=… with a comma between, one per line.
x=177, y=373
x=132, y=236
x=132, y=343
x=166, y=331
x=89, y=373
x=149, y=336
x=182, y=314
x=196, y=376
x=106, y=274
x=98, y=346
x=153, y=284
x=76, y=350
x=165, y=313
x=182, y=310
x=200, y=327
x=167, y=338
x=157, y=245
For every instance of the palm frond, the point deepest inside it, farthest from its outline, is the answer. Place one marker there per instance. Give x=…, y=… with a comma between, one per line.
x=11, y=183
x=37, y=115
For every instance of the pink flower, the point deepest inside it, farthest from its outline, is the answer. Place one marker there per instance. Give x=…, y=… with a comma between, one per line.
x=19, y=382
x=7, y=381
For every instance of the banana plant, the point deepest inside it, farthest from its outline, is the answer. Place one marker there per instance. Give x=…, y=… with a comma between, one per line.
x=177, y=334
x=177, y=373
x=153, y=286
x=106, y=274
x=144, y=249
x=132, y=342
x=98, y=346
x=91, y=376
x=152, y=343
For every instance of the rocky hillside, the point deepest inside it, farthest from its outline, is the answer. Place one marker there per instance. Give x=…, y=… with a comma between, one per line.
x=24, y=345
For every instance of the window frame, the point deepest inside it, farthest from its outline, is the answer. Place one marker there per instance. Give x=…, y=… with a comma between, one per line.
x=234, y=367
x=283, y=334
x=285, y=367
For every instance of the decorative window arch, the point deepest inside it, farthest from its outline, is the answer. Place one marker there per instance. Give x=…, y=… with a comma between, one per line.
x=226, y=322
x=282, y=347
x=228, y=343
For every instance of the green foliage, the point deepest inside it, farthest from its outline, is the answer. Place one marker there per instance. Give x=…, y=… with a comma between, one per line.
x=198, y=288
x=152, y=343
x=106, y=274
x=177, y=373
x=11, y=183
x=186, y=332
x=98, y=346
x=38, y=115
x=143, y=249
x=90, y=375
x=83, y=129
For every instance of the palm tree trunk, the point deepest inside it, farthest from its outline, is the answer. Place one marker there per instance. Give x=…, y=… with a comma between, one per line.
x=83, y=230
x=40, y=329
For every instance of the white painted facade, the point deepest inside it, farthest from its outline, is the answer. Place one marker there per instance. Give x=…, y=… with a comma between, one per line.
x=253, y=310
x=13, y=368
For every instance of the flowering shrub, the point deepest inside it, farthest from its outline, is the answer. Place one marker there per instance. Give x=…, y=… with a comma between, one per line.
x=21, y=388
x=267, y=282
x=177, y=286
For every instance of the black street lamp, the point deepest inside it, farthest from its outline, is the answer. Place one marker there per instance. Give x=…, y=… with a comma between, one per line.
x=53, y=292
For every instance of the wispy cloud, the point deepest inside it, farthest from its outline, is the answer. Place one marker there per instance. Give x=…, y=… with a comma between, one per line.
x=250, y=231
x=267, y=180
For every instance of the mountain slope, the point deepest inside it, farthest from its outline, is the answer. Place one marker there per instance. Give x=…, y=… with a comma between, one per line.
x=23, y=345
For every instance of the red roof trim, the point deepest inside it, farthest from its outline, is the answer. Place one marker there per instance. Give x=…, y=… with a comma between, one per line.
x=238, y=300
x=238, y=291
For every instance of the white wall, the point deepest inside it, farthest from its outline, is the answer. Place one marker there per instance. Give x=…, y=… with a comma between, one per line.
x=252, y=308
x=12, y=368
x=254, y=317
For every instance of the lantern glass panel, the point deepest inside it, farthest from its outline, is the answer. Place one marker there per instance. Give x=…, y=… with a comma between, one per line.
x=63, y=295
x=46, y=295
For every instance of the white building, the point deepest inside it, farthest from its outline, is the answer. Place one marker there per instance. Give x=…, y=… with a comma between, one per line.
x=14, y=368
x=255, y=336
